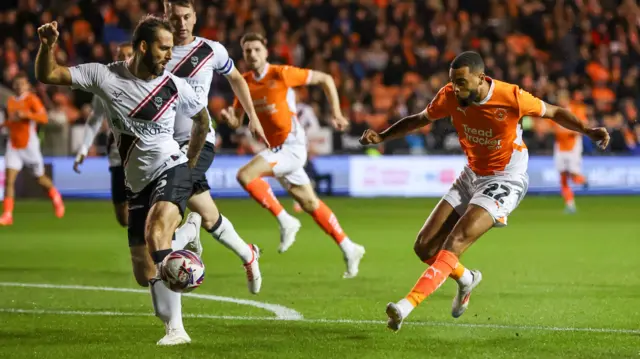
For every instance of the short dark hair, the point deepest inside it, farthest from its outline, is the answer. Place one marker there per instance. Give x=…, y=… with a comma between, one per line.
x=185, y=3
x=147, y=28
x=470, y=59
x=125, y=44
x=20, y=75
x=253, y=36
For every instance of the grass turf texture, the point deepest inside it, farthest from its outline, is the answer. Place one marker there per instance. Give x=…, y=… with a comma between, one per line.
x=545, y=270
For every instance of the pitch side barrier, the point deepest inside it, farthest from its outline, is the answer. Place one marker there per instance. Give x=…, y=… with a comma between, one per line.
x=355, y=176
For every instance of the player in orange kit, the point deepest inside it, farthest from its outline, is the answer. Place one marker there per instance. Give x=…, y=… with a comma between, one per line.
x=567, y=153
x=271, y=88
x=486, y=114
x=25, y=111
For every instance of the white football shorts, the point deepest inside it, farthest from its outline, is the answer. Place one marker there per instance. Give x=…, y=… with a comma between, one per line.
x=568, y=161
x=498, y=194
x=29, y=156
x=287, y=162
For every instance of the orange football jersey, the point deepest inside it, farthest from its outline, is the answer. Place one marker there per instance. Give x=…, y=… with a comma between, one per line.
x=489, y=131
x=274, y=99
x=32, y=111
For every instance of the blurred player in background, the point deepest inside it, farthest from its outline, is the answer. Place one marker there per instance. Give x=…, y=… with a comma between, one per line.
x=274, y=99
x=486, y=114
x=25, y=112
x=91, y=129
x=310, y=123
x=567, y=152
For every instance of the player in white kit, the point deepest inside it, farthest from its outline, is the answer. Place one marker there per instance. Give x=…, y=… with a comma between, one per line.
x=142, y=100
x=310, y=123
x=195, y=59
x=185, y=237
x=92, y=127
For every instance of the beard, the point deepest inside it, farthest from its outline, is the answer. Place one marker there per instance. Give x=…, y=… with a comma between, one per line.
x=473, y=97
x=153, y=67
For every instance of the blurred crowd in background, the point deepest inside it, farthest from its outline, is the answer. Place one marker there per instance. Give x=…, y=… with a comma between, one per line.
x=388, y=58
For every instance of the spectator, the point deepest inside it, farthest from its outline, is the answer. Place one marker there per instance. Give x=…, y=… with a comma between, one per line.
x=385, y=55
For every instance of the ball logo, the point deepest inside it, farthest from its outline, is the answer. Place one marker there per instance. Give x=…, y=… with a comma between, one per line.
x=182, y=271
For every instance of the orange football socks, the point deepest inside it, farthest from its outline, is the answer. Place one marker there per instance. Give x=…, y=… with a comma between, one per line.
x=566, y=191
x=456, y=274
x=578, y=179
x=260, y=190
x=325, y=218
x=8, y=205
x=56, y=199
x=433, y=277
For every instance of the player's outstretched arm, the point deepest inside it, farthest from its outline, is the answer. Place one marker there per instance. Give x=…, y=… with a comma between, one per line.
x=47, y=70
x=199, y=132
x=241, y=90
x=568, y=120
x=331, y=91
x=397, y=130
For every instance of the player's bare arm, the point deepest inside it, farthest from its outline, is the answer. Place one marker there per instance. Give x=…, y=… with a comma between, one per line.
x=91, y=128
x=47, y=70
x=232, y=117
x=199, y=132
x=331, y=91
x=568, y=120
x=241, y=90
x=397, y=130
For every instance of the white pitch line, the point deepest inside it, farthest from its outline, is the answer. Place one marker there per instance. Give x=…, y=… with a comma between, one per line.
x=281, y=312
x=327, y=321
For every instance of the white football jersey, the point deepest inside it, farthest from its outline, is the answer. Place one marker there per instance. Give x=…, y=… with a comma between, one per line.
x=307, y=118
x=94, y=122
x=196, y=62
x=141, y=116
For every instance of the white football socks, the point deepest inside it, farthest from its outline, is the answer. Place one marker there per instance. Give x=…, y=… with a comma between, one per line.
x=166, y=303
x=347, y=245
x=183, y=235
x=224, y=232
x=284, y=218
x=466, y=279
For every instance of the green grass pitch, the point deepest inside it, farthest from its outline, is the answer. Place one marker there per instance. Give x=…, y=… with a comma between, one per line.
x=555, y=286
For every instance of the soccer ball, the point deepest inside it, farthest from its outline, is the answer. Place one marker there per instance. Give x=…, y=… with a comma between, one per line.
x=182, y=271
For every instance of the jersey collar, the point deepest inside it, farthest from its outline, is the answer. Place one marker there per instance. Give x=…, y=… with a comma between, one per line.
x=195, y=41
x=263, y=74
x=489, y=94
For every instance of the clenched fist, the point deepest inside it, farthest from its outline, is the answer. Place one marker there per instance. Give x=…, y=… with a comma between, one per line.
x=340, y=123
x=600, y=136
x=48, y=33
x=370, y=137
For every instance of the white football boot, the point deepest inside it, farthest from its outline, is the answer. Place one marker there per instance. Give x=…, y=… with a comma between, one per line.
x=352, y=259
x=252, y=269
x=395, y=317
x=288, y=234
x=461, y=300
x=194, y=244
x=174, y=336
